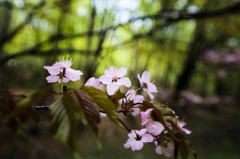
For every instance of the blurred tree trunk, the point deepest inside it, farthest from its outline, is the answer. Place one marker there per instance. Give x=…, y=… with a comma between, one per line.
x=197, y=48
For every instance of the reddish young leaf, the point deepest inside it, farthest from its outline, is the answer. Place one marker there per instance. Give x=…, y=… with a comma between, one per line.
x=90, y=109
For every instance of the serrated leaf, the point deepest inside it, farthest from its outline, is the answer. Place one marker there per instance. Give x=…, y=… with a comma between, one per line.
x=165, y=110
x=64, y=121
x=102, y=100
x=90, y=109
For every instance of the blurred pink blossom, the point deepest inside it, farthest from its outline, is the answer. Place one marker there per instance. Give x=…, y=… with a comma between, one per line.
x=181, y=126
x=94, y=82
x=114, y=78
x=167, y=150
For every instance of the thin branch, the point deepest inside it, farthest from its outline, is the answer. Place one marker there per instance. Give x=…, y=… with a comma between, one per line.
x=32, y=52
x=125, y=126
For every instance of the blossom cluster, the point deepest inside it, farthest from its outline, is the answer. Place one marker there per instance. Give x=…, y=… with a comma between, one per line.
x=153, y=131
x=131, y=103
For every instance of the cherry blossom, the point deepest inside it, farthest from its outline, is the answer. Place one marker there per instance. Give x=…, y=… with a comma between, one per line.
x=153, y=127
x=181, y=125
x=167, y=149
x=146, y=84
x=145, y=116
x=94, y=82
x=132, y=98
x=137, y=138
x=61, y=72
x=114, y=78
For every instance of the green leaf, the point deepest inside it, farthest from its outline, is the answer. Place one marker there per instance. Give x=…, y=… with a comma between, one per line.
x=65, y=122
x=167, y=113
x=90, y=109
x=102, y=100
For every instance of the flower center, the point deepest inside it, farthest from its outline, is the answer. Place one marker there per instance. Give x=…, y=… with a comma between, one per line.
x=114, y=79
x=138, y=137
x=144, y=85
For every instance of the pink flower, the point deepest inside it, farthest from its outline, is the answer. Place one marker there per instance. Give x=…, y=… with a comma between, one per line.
x=114, y=78
x=94, y=82
x=62, y=70
x=137, y=138
x=167, y=150
x=146, y=84
x=145, y=116
x=155, y=128
x=181, y=125
x=132, y=98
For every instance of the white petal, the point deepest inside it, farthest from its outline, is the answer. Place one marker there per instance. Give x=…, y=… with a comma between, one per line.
x=51, y=79
x=124, y=81
x=147, y=138
x=139, y=78
x=129, y=143
x=158, y=150
x=138, y=99
x=186, y=131
x=52, y=70
x=146, y=77
x=112, y=88
x=105, y=80
x=152, y=87
x=103, y=115
x=142, y=131
x=137, y=145
x=155, y=128
x=65, y=80
x=136, y=111
x=90, y=81
x=168, y=151
x=130, y=94
x=110, y=72
x=72, y=74
x=121, y=72
x=94, y=83
x=132, y=134
x=150, y=95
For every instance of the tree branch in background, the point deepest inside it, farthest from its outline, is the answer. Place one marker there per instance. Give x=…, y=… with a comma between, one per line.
x=9, y=36
x=229, y=10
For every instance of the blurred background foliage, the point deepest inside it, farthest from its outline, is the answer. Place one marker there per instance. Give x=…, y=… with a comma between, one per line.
x=190, y=47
